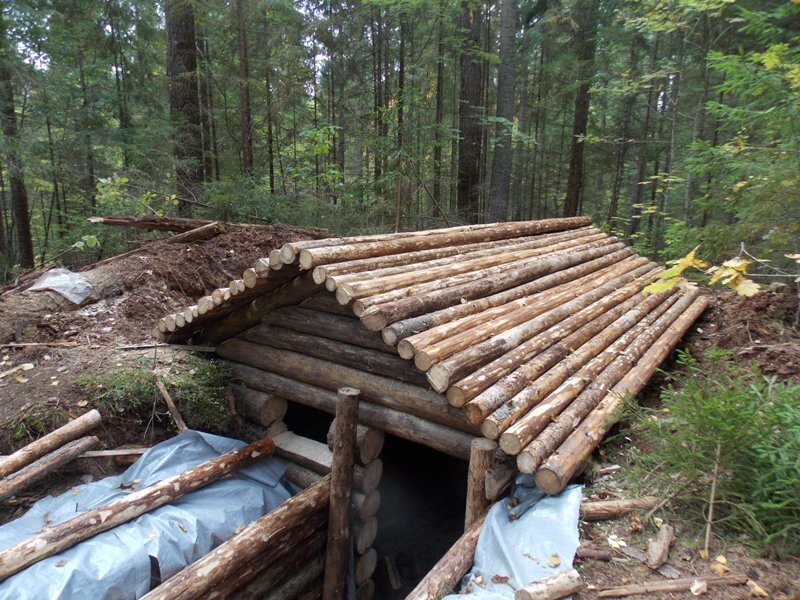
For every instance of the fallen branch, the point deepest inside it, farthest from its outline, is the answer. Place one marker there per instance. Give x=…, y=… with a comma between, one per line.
x=88, y=524
x=677, y=585
x=610, y=509
x=558, y=586
x=39, y=344
x=710, y=516
x=185, y=347
x=173, y=410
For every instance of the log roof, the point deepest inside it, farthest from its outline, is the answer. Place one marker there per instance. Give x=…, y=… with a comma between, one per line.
x=514, y=323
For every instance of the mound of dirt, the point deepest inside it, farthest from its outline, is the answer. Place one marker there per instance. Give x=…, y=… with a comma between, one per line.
x=132, y=292
x=763, y=330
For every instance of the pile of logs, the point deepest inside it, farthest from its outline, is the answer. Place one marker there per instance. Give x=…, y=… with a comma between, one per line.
x=530, y=334
x=50, y=452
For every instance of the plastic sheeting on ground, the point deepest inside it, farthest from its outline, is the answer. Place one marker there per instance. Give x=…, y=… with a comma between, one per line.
x=73, y=286
x=512, y=554
x=116, y=564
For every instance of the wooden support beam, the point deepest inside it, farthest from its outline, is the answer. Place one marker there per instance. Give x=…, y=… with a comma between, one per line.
x=480, y=461
x=257, y=406
x=369, y=442
x=337, y=550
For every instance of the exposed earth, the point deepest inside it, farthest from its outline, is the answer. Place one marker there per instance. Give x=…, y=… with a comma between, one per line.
x=114, y=331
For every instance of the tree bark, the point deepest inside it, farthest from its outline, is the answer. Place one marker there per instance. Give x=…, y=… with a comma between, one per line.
x=501, y=161
x=245, y=118
x=677, y=585
x=551, y=588
x=481, y=457
x=587, y=44
x=184, y=102
x=259, y=407
x=369, y=443
x=65, y=535
x=604, y=510
x=16, y=175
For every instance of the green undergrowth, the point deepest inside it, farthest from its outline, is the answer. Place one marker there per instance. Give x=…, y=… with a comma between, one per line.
x=748, y=425
x=196, y=385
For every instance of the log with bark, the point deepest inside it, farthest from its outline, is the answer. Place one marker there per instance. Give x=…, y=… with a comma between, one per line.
x=365, y=566
x=409, y=242
x=551, y=588
x=404, y=425
x=676, y=585
x=510, y=347
x=369, y=442
x=364, y=534
x=271, y=536
x=47, y=443
x=154, y=223
x=19, y=480
x=377, y=389
x=408, y=327
x=91, y=522
x=455, y=563
x=514, y=267
x=337, y=549
x=482, y=453
x=257, y=406
x=378, y=317
x=555, y=431
x=603, y=510
x=537, y=303
x=554, y=475
x=366, y=505
x=268, y=587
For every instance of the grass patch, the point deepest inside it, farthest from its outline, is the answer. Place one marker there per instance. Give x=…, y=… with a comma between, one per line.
x=196, y=386
x=755, y=422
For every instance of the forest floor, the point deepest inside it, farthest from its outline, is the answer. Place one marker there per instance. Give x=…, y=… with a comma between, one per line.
x=115, y=331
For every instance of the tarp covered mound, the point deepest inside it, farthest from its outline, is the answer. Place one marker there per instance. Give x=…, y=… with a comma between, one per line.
x=117, y=564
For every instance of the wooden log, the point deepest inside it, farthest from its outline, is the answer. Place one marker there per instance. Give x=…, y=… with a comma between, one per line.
x=205, y=304
x=313, y=591
x=334, y=327
x=536, y=303
x=523, y=341
x=561, y=466
x=254, y=579
x=369, y=442
x=377, y=317
x=604, y=327
x=180, y=425
x=258, y=406
x=455, y=563
x=274, y=259
x=480, y=461
x=553, y=391
x=236, y=287
x=220, y=295
x=511, y=266
x=584, y=553
x=300, y=476
x=362, y=285
x=408, y=427
x=326, y=303
x=610, y=509
x=560, y=585
x=515, y=394
x=364, y=534
x=658, y=549
x=365, y=566
x=500, y=475
x=317, y=457
x=289, y=293
x=337, y=549
x=379, y=363
x=403, y=329
x=269, y=537
x=250, y=278
x=311, y=257
x=154, y=223
x=381, y=266
x=87, y=524
x=297, y=583
x=554, y=432
x=45, y=444
x=366, y=505
x=676, y=585
x=366, y=591
x=385, y=391
x=19, y=480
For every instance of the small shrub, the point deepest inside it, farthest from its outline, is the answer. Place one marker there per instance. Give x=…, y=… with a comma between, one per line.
x=755, y=420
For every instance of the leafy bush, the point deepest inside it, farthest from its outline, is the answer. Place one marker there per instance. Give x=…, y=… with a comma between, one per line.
x=755, y=422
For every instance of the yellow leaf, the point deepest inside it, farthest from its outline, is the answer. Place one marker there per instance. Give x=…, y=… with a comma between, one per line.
x=719, y=569
x=554, y=560
x=703, y=554
x=795, y=257
x=739, y=264
x=746, y=287
x=662, y=285
x=721, y=560
x=21, y=379
x=55, y=383
x=756, y=590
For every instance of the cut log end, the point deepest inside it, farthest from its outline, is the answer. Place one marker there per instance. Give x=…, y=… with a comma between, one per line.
x=390, y=337
x=371, y=319
x=510, y=444
x=288, y=254
x=306, y=260
x=548, y=481
x=319, y=275
x=489, y=429
x=456, y=396
x=250, y=278
x=342, y=297
x=275, y=259
x=439, y=378
x=404, y=347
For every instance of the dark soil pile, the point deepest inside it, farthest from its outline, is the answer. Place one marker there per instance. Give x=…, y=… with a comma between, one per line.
x=762, y=330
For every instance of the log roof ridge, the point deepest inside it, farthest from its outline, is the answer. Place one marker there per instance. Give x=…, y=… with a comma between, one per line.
x=511, y=322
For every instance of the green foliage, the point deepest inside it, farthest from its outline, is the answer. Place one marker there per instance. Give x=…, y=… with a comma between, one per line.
x=755, y=421
x=195, y=384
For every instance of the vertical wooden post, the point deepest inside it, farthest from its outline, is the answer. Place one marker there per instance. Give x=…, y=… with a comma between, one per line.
x=334, y=579
x=480, y=461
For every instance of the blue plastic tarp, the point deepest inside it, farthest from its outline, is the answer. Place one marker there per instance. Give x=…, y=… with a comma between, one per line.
x=116, y=564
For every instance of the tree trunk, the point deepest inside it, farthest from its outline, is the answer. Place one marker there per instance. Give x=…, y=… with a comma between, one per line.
x=205, y=107
x=439, y=110
x=501, y=161
x=587, y=44
x=245, y=118
x=481, y=457
x=270, y=127
x=469, y=115
x=19, y=196
x=184, y=102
